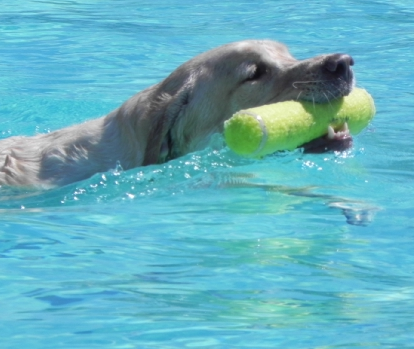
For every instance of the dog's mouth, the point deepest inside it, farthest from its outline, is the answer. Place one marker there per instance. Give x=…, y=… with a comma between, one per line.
x=338, y=139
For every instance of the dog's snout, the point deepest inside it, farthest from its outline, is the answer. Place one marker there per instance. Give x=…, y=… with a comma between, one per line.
x=339, y=64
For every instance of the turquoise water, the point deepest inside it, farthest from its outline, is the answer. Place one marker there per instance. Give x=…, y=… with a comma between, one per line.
x=176, y=255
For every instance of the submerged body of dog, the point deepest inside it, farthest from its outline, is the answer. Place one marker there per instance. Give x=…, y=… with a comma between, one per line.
x=177, y=115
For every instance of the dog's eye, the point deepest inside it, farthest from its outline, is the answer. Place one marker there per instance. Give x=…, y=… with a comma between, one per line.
x=257, y=72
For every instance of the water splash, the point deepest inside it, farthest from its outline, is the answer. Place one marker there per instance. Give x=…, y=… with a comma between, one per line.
x=170, y=178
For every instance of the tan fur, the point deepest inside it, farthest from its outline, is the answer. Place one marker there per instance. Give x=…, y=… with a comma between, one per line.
x=175, y=116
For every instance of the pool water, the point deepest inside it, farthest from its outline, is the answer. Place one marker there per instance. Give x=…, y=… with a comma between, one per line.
x=209, y=250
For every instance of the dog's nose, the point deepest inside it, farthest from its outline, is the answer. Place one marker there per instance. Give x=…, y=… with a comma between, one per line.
x=339, y=64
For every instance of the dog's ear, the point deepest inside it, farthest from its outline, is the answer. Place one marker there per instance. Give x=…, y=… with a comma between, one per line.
x=166, y=109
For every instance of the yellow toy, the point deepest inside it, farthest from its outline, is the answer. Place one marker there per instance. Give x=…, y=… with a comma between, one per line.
x=287, y=125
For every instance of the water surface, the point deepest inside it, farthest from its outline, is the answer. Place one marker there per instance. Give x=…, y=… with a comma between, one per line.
x=172, y=256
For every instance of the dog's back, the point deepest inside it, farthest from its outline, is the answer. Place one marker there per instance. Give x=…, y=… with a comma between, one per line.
x=51, y=159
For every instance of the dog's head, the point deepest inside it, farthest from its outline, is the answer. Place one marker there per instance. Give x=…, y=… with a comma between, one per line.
x=195, y=100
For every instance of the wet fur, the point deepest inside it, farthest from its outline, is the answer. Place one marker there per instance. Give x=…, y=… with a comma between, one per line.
x=177, y=115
